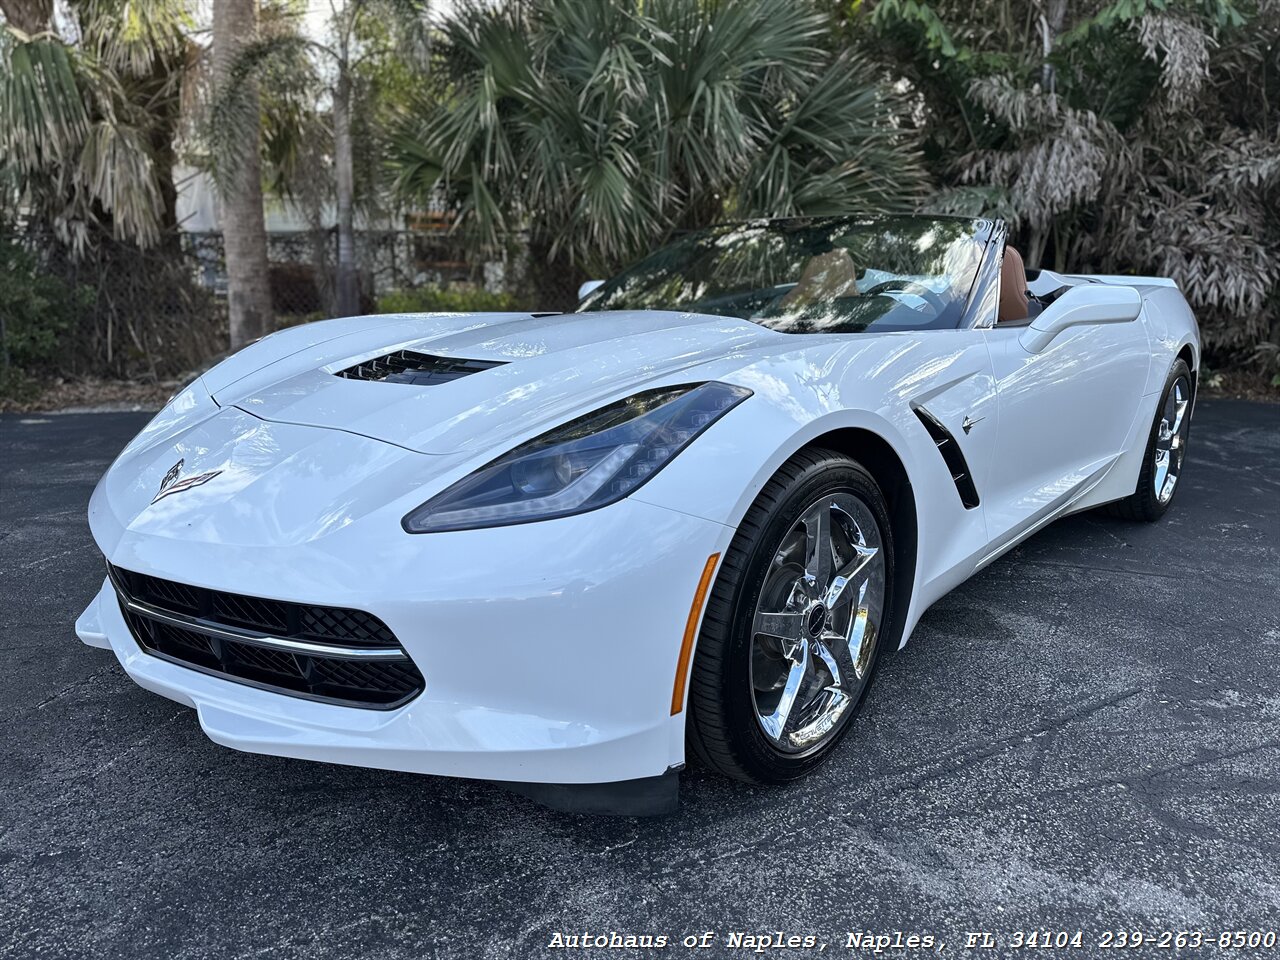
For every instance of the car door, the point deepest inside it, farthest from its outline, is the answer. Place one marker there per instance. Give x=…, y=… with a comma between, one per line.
x=1065, y=412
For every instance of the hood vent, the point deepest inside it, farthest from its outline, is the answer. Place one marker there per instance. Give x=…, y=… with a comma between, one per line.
x=420, y=369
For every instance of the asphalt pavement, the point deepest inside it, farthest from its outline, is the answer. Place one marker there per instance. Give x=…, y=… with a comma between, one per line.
x=1084, y=737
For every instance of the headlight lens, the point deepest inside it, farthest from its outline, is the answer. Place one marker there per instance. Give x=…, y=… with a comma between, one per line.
x=582, y=465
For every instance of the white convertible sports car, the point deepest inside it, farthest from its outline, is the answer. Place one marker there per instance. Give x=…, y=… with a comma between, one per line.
x=564, y=550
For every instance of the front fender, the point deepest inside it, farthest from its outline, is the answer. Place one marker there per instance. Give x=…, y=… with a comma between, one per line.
x=798, y=399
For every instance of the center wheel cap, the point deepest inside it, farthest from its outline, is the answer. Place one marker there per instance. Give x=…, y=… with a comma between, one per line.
x=817, y=619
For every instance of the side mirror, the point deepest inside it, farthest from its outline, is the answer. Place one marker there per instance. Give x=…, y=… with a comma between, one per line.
x=588, y=288
x=1086, y=304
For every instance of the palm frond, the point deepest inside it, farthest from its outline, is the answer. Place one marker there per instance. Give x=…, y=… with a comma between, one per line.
x=71, y=130
x=604, y=125
x=130, y=36
x=116, y=165
x=233, y=115
x=42, y=110
x=405, y=20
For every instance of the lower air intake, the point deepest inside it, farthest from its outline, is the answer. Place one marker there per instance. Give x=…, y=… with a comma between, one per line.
x=330, y=654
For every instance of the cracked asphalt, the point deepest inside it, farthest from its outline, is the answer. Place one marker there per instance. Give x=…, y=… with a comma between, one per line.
x=1086, y=736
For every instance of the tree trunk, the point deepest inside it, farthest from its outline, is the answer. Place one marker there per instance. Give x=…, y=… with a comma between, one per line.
x=344, y=179
x=244, y=234
x=29, y=16
x=1051, y=26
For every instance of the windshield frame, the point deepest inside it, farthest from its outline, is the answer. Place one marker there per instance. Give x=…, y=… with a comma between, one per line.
x=989, y=233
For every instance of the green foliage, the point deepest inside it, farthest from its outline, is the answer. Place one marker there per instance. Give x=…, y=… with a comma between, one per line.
x=17, y=387
x=602, y=127
x=936, y=34
x=292, y=138
x=88, y=117
x=454, y=299
x=36, y=308
x=41, y=109
x=1116, y=136
x=1122, y=13
x=375, y=47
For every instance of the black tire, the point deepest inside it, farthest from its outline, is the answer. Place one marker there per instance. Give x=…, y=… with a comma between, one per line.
x=1144, y=504
x=723, y=730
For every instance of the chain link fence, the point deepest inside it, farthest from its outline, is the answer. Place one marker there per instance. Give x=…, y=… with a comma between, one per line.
x=302, y=267
x=153, y=315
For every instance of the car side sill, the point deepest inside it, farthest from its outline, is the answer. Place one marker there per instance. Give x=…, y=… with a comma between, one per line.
x=1047, y=515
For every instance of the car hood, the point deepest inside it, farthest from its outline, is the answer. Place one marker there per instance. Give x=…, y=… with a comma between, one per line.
x=233, y=479
x=551, y=368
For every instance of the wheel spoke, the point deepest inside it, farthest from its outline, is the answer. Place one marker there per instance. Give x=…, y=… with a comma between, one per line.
x=851, y=573
x=818, y=559
x=1161, y=471
x=780, y=722
x=786, y=627
x=840, y=662
x=825, y=704
x=863, y=635
x=837, y=662
x=1180, y=404
x=860, y=639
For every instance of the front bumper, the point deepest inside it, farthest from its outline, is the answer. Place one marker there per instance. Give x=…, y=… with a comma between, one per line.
x=549, y=649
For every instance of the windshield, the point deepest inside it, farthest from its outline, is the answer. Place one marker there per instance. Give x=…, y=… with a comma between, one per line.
x=812, y=275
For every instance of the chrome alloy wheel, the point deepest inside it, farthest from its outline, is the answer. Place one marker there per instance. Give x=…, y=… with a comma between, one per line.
x=817, y=622
x=1171, y=439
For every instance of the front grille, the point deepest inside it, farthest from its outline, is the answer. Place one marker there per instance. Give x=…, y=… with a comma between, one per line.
x=256, y=641
x=420, y=369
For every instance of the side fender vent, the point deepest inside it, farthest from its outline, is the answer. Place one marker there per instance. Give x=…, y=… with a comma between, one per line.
x=952, y=456
x=421, y=369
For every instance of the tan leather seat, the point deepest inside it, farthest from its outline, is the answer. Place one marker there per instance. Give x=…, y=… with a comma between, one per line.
x=825, y=277
x=1013, y=288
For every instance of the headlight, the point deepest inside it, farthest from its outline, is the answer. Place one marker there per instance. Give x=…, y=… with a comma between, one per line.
x=582, y=465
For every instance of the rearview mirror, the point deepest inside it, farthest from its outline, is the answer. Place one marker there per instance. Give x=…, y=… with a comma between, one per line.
x=587, y=288
x=1088, y=303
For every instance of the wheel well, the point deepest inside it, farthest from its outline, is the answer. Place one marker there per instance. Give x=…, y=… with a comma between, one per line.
x=1188, y=355
x=874, y=453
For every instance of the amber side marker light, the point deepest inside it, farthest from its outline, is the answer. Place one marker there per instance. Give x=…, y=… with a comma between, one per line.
x=691, y=633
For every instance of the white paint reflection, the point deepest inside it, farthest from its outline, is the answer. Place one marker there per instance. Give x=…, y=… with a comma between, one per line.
x=279, y=484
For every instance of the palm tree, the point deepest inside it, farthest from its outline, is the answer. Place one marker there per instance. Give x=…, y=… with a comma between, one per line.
x=91, y=111
x=603, y=128
x=90, y=108
x=243, y=228
x=358, y=31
